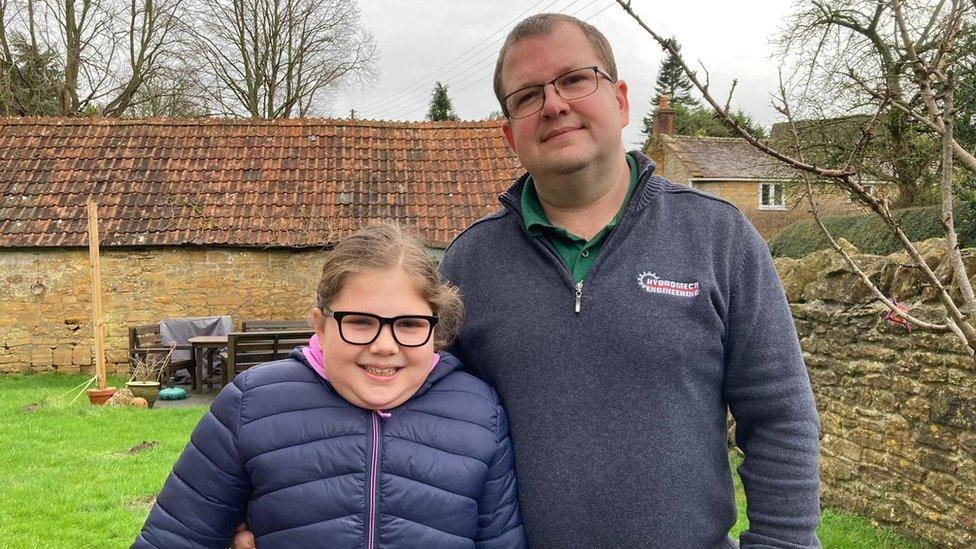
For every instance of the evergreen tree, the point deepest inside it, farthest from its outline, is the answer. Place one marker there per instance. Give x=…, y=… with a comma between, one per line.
x=29, y=82
x=440, y=105
x=701, y=121
x=672, y=80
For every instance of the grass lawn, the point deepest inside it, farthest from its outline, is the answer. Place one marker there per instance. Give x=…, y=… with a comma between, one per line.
x=68, y=477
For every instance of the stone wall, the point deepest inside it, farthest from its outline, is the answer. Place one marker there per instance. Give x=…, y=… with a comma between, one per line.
x=45, y=297
x=897, y=409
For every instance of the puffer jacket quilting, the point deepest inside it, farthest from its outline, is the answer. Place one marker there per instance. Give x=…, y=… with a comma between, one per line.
x=281, y=450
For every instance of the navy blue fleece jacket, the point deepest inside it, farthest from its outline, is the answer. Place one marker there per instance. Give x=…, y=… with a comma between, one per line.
x=618, y=411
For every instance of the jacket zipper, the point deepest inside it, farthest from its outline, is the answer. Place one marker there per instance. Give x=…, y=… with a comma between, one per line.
x=508, y=199
x=374, y=463
x=577, y=287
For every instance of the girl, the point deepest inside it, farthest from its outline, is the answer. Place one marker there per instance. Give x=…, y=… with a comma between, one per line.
x=365, y=438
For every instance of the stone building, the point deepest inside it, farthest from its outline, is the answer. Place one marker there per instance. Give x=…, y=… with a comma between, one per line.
x=211, y=217
x=732, y=169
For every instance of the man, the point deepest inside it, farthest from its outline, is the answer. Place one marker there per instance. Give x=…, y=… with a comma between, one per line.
x=619, y=315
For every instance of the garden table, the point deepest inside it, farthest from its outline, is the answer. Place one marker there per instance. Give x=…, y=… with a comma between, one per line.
x=205, y=345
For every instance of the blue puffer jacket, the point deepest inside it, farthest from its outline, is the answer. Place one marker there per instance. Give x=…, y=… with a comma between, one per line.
x=282, y=450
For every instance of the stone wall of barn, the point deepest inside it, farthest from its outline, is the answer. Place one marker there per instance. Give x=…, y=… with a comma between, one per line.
x=897, y=408
x=45, y=297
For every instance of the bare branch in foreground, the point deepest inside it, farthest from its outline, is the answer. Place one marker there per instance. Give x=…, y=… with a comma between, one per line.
x=926, y=78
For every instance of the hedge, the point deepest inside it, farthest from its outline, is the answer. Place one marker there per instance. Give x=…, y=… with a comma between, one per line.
x=870, y=235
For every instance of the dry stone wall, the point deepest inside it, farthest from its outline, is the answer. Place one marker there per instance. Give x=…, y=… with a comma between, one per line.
x=45, y=297
x=897, y=408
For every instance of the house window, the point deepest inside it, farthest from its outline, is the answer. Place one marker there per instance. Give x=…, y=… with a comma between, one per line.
x=771, y=196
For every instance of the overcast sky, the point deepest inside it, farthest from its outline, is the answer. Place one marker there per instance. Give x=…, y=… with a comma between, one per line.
x=457, y=41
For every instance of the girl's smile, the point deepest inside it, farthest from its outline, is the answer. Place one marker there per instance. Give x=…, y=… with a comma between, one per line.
x=381, y=374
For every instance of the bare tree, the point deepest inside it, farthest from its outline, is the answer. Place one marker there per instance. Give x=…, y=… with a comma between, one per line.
x=827, y=41
x=101, y=50
x=151, y=36
x=281, y=58
x=929, y=35
x=172, y=92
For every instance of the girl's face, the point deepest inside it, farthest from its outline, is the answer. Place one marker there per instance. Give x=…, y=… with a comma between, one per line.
x=380, y=375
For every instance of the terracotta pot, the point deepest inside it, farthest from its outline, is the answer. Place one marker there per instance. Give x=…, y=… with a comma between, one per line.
x=148, y=390
x=98, y=396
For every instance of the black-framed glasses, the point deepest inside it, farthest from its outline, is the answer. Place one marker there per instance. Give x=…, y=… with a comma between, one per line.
x=570, y=86
x=363, y=328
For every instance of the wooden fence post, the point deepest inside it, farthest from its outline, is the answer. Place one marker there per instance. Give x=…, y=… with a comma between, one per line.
x=98, y=324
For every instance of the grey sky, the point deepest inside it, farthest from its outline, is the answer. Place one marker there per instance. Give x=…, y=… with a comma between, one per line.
x=422, y=41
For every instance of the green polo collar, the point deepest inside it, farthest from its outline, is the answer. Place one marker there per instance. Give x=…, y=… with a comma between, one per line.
x=577, y=254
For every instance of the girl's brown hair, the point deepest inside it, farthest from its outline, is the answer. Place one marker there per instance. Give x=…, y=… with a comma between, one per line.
x=388, y=246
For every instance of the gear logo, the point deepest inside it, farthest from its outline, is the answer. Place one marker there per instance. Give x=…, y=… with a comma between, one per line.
x=654, y=284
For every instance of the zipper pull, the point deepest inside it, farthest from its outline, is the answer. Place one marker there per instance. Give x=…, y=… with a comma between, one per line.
x=383, y=414
x=579, y=296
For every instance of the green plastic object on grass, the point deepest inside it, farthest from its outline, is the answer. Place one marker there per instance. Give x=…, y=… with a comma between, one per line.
x=172, y=393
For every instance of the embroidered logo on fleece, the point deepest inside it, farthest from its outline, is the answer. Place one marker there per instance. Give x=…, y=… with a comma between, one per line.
x=656, y=285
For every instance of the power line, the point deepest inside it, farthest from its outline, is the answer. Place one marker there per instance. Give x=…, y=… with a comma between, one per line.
x=406, y=96
x=410, y=102
x=585, y=19
x=449, y=63
x=421, y=87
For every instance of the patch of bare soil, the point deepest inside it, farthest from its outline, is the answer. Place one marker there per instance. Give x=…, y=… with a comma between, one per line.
x=146, y=445
x=140, y=503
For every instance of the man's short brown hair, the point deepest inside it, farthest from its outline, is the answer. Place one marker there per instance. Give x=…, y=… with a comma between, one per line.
x=543, y=23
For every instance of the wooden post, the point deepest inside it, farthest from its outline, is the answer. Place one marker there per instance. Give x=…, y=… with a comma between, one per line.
x=98, y=325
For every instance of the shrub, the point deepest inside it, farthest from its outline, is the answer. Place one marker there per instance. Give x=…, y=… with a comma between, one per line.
x=869, y=233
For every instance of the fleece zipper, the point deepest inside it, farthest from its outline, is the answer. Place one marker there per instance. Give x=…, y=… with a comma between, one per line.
x=511, y=202
x=508, y=200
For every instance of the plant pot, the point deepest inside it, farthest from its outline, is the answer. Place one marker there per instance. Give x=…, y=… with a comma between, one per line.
x=98, y=396
x=148, y=390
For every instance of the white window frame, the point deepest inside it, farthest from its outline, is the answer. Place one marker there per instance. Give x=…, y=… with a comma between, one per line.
x=774, y=205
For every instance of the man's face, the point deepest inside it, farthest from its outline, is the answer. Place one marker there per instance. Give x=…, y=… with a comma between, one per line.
x=564, y=136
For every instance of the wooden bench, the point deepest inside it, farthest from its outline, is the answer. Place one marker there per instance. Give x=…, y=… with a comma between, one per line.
x=246, y=349
x=274, y=325
x=145, y=339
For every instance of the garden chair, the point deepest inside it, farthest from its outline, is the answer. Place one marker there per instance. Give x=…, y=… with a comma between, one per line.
x=146, y=339
x=246, y=349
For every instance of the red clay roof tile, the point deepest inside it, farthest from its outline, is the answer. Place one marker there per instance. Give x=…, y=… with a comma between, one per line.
x=284, y=183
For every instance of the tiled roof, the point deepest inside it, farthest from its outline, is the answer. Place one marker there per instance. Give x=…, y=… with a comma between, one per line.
x=286, y=183
x=723, y=157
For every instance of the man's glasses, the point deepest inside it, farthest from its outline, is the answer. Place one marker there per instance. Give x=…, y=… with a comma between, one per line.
x=363, y=328
x=573, y=85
